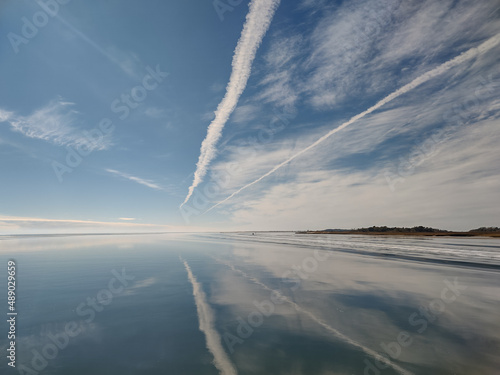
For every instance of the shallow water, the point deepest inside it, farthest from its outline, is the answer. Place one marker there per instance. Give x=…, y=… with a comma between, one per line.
x=266, y=304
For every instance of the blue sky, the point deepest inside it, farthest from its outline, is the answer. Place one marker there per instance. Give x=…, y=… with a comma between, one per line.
x=105, y=105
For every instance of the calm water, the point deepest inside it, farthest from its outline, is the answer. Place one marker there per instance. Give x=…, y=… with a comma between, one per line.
x=254, y=304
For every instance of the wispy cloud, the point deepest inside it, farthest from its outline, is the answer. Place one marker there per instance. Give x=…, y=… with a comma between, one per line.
x=207, y=326
x=438, y=193
x=57, y=123
x=279, y=86
x=148, y=183
x=257, y=23
x=14, y=224
x=5, y=115
x=465, y=56
x=245, y=113
x=359, y=49
x=128, y=62
x=444, y=181
x=154, y=112
x=35, y=225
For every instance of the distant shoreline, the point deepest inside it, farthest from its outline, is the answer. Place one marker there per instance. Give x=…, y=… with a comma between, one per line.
x=415, y=231
x=417, y=234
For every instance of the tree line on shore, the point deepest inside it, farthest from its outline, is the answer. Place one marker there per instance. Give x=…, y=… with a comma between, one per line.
x=410, y=230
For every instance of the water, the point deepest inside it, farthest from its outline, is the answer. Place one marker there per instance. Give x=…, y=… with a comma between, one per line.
x=269, y=303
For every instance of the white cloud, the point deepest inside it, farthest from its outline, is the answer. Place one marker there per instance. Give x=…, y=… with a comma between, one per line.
x=360, y=49
x=154, y=112
x=445, y=21
x=312, y=4
x=208, y=116
x=148, y=183
x=57, y=123
x=278, y=89
x=5, y=115
x=245, y=113
x=279, y=85
x=257, y=22
x=452, y=188
x=244, y=164
x=128, y=62
x=10, y=225
x=13, y=224
x=449, y=180
x=483, y=48
x=342, y=46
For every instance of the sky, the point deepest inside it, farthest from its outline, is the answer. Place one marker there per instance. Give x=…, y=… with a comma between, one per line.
x=133, y=116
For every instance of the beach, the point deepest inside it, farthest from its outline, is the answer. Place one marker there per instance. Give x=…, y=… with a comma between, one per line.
x=256, y=304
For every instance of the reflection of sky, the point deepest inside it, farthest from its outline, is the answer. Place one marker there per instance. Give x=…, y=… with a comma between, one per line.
x=154, y=324
x=481, y=250
x=370, y=301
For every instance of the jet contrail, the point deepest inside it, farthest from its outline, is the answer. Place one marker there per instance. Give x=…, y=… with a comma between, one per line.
x=207, y=326
x=96, y=46
x=473, y=52
x=256, y=25
x=323, y=324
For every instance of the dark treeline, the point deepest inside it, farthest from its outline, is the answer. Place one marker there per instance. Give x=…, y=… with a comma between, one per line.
x=495, y=231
